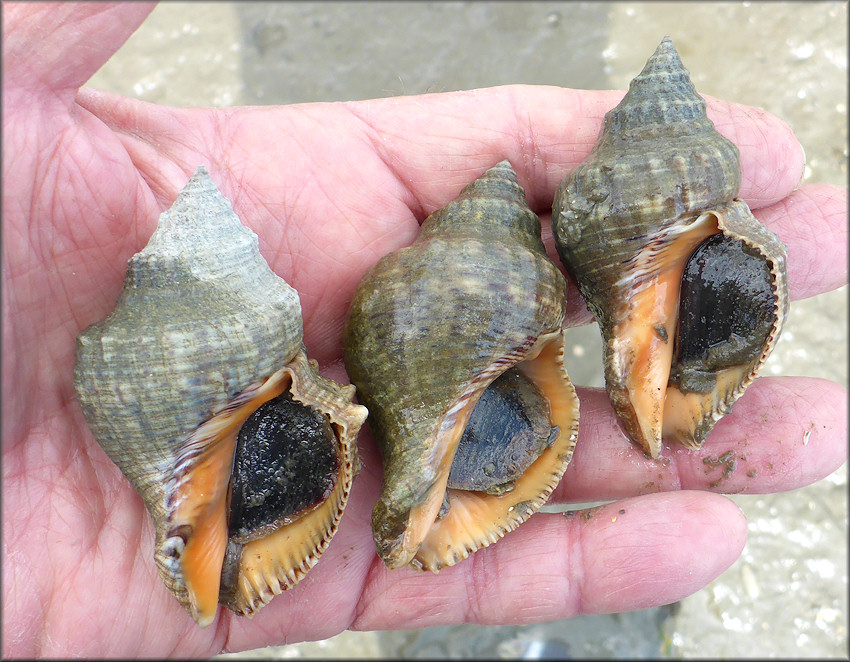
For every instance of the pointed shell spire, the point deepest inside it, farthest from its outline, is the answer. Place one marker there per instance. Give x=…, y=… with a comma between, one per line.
x=504, y=216
x=665, y=95
x=658, y=160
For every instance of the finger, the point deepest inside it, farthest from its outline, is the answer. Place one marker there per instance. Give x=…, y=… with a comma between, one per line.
x=427, y=148
x=784, y=433
x=438, y=143
x=547, y=132
x=812, y=222
x=55, y=47
x=637, y=553
x=772, y=163
x=435, y=144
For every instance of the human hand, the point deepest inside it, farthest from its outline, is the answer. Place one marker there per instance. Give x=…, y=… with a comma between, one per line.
x=330, y=188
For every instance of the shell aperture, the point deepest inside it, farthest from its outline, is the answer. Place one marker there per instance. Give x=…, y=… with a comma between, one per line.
x=203, y=334
x=658, y=183
x=430, y=327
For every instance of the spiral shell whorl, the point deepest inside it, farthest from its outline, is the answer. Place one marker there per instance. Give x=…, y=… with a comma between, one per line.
x=200, y=223
x=665, y=96
x=505, y=216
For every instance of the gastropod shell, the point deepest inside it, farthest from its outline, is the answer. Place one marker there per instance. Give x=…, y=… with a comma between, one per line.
x=456, y=347
x=690, y=291
x=199, y=388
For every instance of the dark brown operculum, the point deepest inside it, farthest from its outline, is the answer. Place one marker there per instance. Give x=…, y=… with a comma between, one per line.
x=726, y=314
x=286, y=464
x=507, y=431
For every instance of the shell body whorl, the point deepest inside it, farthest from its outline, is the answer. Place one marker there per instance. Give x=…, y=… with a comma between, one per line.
x=429, y=328
x=202, y=335
x=659, y=181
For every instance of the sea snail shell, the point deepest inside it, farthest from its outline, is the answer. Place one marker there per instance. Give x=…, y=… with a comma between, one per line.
x=430, y=328
x=203, y=335
x=689, y=289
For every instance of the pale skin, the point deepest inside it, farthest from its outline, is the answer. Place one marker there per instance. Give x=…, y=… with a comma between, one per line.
x=329, y=189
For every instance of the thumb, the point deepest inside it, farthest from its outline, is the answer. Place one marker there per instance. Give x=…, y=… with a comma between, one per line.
x=58, y=46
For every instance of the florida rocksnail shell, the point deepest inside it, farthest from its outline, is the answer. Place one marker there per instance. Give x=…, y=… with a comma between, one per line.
x=199, y=388
x=455, y=346
x=689, y=289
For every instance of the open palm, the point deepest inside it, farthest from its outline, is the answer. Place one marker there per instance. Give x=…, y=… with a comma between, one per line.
x=329, y=189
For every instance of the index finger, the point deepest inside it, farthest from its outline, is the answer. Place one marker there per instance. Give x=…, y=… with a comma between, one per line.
x=438, y=143
x=784, y=433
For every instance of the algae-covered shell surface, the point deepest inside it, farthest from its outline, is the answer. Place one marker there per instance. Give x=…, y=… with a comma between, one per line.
x=689, y=289
x=431, y=327
x=204, y=338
